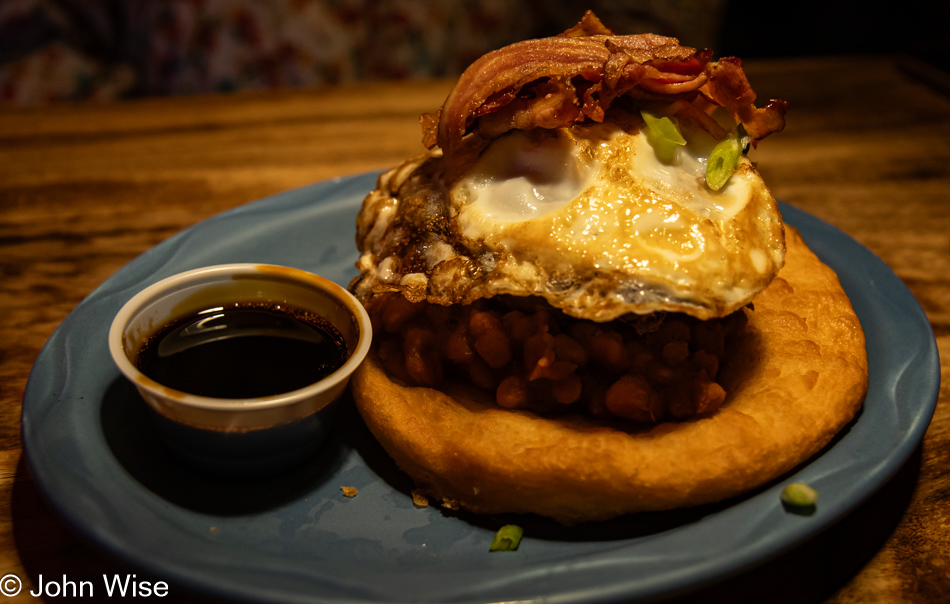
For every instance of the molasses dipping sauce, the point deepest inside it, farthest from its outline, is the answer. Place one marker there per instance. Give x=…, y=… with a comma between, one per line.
x=242, y=364
x=243, y=350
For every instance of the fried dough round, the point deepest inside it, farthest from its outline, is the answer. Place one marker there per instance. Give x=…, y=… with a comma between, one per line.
x=795, y=377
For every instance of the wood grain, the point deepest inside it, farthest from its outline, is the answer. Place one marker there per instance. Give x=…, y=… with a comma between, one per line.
x=85, y=189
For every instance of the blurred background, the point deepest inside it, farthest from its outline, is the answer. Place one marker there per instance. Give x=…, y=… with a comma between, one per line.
x=85, y=50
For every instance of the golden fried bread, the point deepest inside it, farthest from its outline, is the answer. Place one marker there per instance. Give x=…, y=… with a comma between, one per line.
x=796, y=376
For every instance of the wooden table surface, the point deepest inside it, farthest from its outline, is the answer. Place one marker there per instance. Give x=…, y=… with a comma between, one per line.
x=85, y=189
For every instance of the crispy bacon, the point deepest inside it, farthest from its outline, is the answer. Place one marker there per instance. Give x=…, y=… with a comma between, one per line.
x=589, y=25
x=729, y=88
x=551, y=105
x=576, y=76
x=514, y=67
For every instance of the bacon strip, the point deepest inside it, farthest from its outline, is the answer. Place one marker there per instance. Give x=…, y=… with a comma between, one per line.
x=554, y=82
x=589, y=25
x=729, y=88
x=513, y=67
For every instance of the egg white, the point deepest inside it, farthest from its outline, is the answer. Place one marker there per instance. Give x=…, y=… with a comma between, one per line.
x=633, y=234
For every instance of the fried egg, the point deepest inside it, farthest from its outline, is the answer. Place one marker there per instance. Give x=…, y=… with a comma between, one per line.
x=586, y=217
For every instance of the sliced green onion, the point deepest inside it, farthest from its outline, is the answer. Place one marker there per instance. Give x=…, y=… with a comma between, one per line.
x=723, y=161
x=799, y=495
x=664, y=136
x=506, y=539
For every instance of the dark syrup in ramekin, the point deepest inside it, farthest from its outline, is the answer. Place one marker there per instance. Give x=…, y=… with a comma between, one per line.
x=243, y=350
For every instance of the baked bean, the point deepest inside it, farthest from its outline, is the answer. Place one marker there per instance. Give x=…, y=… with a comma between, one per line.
x=639, y=355
x=595, y=395
x=393, y=360
x=712, y=397
x=438, y=315
x=705, y=361
x=583, y=331
x=567, y=390
x=676, y=352
x=636, y=347
x=632, y=397
x=423, y=356
x=538, y=349
x=607, y=349
x=673, y=330
x=519, y=325
x=513, y=392
x=697, y=396
x=658, y=373
x=481, y=374
x=552, y=370
x=640, y=363
x=457, y=346
x=708, y=336
x=568, y=349
x=490, y=339
x=543, y=319
x=397, y=311
x=541, y=360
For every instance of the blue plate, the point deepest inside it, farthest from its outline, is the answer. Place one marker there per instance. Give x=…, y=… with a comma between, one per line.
x=295, y=538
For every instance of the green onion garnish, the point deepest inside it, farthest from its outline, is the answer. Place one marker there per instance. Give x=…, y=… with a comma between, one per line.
x=723, y=161
x=506, y=539
x=663, y=135
x=799, y=495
